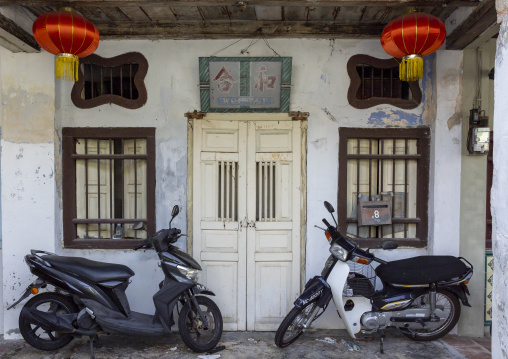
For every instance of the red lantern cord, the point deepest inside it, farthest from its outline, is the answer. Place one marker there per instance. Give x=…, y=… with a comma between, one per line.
x=410, y=37
x=68, y=35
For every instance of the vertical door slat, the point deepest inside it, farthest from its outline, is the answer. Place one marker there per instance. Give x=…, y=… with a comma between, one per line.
x=265, y=199
x=228, y=187
x=260, y=191
x=233, y=191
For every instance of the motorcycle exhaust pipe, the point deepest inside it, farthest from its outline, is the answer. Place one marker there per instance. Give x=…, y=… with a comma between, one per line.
x=48, y=321
x=54, y=322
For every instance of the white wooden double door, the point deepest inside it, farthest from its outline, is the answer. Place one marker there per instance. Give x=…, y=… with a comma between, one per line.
x=246, y=217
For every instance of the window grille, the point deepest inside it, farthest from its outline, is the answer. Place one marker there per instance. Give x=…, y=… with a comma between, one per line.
x=375, y=81
x=389, y=165
x=108, y=186
x=118, y=80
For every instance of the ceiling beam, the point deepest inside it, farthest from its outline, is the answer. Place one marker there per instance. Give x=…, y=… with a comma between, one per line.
x=482, y=18
x=15, y=38
x=237, y=29
x=177, y=3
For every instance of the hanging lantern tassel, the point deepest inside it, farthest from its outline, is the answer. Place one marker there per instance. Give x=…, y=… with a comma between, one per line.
x=411, y=68
x=67, y=67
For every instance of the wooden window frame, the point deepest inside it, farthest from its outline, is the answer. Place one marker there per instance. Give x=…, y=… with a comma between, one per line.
x=356, y=82
x=422, y=135
x=138, y=80
x=69, y=135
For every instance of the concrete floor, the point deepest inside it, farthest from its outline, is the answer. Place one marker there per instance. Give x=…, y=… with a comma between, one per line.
x=259, y=345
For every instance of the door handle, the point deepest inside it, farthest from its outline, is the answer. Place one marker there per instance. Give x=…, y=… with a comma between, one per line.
x=252, y=224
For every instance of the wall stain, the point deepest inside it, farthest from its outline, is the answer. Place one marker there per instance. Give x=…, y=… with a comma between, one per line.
x=456, y=118
x=330, y=116
x=319, y=143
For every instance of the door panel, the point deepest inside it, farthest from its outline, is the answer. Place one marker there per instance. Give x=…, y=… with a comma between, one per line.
x=247, y=218
x=219, y=184
x=273, y=243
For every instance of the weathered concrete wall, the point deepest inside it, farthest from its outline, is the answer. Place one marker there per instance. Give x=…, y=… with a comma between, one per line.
x=474, y=186
x=319, y=86
x=445, y=154
x=499, y=194
x=28, y=184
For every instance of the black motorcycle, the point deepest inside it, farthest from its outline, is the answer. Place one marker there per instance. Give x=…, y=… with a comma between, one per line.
x=89, y=299
x=419, y=296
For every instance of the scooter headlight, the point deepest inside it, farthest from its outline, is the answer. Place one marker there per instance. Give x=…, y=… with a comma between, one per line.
x=339, y=252
x=190, y=273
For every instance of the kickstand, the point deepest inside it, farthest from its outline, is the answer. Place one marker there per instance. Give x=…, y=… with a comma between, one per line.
x=93, y=339
x=381, y=333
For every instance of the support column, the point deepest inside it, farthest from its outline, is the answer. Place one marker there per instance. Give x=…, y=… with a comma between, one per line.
x=27, y=174
x=445, y=156
x=499, y=193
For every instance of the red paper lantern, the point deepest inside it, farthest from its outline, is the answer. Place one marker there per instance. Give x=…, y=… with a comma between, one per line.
x=410, y=37
x=68, y=35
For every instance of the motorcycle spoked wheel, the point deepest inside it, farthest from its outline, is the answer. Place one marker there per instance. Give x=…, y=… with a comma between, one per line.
x=291, y=327
x=449, y=306
x=191, y=328
x=39, y=337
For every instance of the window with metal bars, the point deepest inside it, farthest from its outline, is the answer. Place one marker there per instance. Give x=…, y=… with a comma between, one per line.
x=385, y=165
x=118, y=80
x=376, y=81
x=108, y=185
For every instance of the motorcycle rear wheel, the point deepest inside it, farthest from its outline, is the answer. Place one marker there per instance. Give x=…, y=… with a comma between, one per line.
x=191, y=328
x=39, y=337
x=448, y=303
x=291, y=327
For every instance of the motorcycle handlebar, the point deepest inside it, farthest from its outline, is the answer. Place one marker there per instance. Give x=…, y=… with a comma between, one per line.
x=326, y=222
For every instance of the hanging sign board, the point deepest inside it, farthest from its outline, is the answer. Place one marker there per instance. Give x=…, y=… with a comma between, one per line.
x=245, y=84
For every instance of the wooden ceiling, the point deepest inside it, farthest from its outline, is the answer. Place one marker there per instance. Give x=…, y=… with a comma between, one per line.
x=222, y=19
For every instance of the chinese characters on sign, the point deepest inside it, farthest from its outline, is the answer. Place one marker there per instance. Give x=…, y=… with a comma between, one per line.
x=235, y=84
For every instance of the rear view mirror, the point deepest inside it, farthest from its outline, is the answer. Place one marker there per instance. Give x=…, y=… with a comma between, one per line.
x=138, y=226
x=175, y=211
x=329, y=207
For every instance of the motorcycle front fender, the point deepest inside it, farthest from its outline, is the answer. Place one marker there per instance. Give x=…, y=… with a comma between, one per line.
x=316, y=289
x=351, y=318
x=201, y=289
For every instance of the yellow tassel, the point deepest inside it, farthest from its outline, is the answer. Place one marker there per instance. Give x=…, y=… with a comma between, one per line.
x=411, y=68
x=67, y=67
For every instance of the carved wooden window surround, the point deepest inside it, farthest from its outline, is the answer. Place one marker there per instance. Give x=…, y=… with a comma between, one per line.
x=118, y=80
x=376, y=81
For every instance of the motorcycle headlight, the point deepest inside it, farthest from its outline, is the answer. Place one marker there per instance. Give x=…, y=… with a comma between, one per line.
x=190, y=273
x=339, y=252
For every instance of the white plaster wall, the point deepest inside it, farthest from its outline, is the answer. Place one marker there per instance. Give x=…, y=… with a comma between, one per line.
x=499, y=196
x=28, y=184
x=319, y=86
x=446, y=155
x=1, y=297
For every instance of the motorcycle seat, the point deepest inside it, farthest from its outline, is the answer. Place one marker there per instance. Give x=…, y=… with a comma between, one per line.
x=95, y=271
x=421, y=270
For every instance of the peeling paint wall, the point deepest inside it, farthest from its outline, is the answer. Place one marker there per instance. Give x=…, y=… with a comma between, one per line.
x=27, y=173
x=499, y=195
x=319, y=86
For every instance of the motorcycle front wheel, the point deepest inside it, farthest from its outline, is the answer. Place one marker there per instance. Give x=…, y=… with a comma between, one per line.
x=192, y=330
x=292, y=326
x=447, y=307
